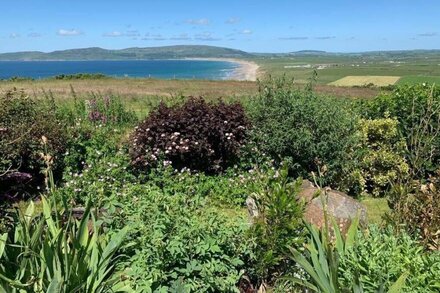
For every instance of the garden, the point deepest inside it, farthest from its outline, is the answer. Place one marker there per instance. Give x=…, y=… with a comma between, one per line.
x=202, y=195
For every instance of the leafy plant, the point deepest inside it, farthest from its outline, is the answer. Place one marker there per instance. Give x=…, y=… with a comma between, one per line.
x=416, y=209
x=98, y=109
x=22, y=123
x=324, y=263
x=50, y=251
x=278, y=225
x=381, y=257
x=417, y=109
x=380, y=158
x=321, y=262
x=197, y=135
x=302, y=129
x=181, y=241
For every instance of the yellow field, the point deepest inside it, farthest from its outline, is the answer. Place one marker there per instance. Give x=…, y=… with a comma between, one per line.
x=366, y=80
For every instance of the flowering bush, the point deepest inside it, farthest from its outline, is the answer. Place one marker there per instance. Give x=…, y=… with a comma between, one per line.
x=197, y=135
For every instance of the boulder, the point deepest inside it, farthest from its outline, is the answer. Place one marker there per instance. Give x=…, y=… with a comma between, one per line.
x=339, y=205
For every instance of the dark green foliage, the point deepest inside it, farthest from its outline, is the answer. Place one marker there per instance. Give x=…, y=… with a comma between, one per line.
x=417, y=109
x=81, y=76
x=278, y=226
x=23, y=122
x=305, y=130
x=197, y=135
x=181, y=240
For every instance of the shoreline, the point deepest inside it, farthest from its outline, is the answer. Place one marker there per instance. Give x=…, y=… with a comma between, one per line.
x=246, y=70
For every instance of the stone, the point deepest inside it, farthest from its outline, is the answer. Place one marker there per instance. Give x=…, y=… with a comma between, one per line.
x=339, y=205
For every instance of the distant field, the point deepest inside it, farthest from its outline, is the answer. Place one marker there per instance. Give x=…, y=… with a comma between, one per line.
x=412, y=67
x=366, y=80
x=419, y=79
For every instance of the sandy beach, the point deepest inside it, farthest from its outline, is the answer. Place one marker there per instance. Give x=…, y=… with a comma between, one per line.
x=247, y=70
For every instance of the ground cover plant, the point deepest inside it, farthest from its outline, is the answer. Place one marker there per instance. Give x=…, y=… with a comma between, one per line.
x=182, y=222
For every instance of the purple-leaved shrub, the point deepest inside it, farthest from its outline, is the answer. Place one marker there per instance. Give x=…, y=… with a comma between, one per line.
x=197, y=135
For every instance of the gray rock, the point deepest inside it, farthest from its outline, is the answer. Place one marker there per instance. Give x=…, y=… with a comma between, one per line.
x=341, y=207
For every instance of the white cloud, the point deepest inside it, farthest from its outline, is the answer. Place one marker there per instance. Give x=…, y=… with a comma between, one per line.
x=432, y=34
x=293, y=38
x=206, y=36
x=246, y=32
x=14, y=36
x=34, y=35
x=129, y=33
x=181, y=37
x=113, y=34
x=325, y=38
x=232, y=20
x=200, y=21
x=69, y=32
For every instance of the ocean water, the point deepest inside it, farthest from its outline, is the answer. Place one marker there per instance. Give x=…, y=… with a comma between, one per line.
x=164, y=69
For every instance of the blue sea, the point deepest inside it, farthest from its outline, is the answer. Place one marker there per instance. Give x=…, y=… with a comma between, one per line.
x=163, y=69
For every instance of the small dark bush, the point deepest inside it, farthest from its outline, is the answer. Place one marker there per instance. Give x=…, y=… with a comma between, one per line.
x=197, y=135
x=23, y=122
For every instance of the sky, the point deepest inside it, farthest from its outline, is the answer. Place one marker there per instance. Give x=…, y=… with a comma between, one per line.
x=249, y=25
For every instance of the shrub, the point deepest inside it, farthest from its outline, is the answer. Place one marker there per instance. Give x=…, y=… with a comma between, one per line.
x=23, y=121
x=182, y=241
x=277, y=226
x=379, y=157
x=380, y=257
x=416, y=209
x=197, y=135
x=305, y=130
x=417, y=109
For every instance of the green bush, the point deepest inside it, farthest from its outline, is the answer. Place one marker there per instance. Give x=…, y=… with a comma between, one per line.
x=277, y=226
x=380, y=158
x=305, y=130
x=180, y=241
x=23, y=121
x=417, y=109
x=380, y=257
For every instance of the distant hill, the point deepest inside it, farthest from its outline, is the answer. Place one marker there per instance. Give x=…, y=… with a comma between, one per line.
x=95, y=53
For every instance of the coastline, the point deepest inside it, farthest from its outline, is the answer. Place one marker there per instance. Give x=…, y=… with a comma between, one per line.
x=246, y=70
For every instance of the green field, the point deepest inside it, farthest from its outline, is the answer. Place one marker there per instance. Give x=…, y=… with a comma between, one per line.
x=411, y=66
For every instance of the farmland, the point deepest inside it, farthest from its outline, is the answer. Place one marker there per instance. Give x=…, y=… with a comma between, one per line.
x=410, y=66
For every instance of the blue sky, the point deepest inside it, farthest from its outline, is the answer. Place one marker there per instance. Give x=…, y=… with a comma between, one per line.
x=250, y=25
